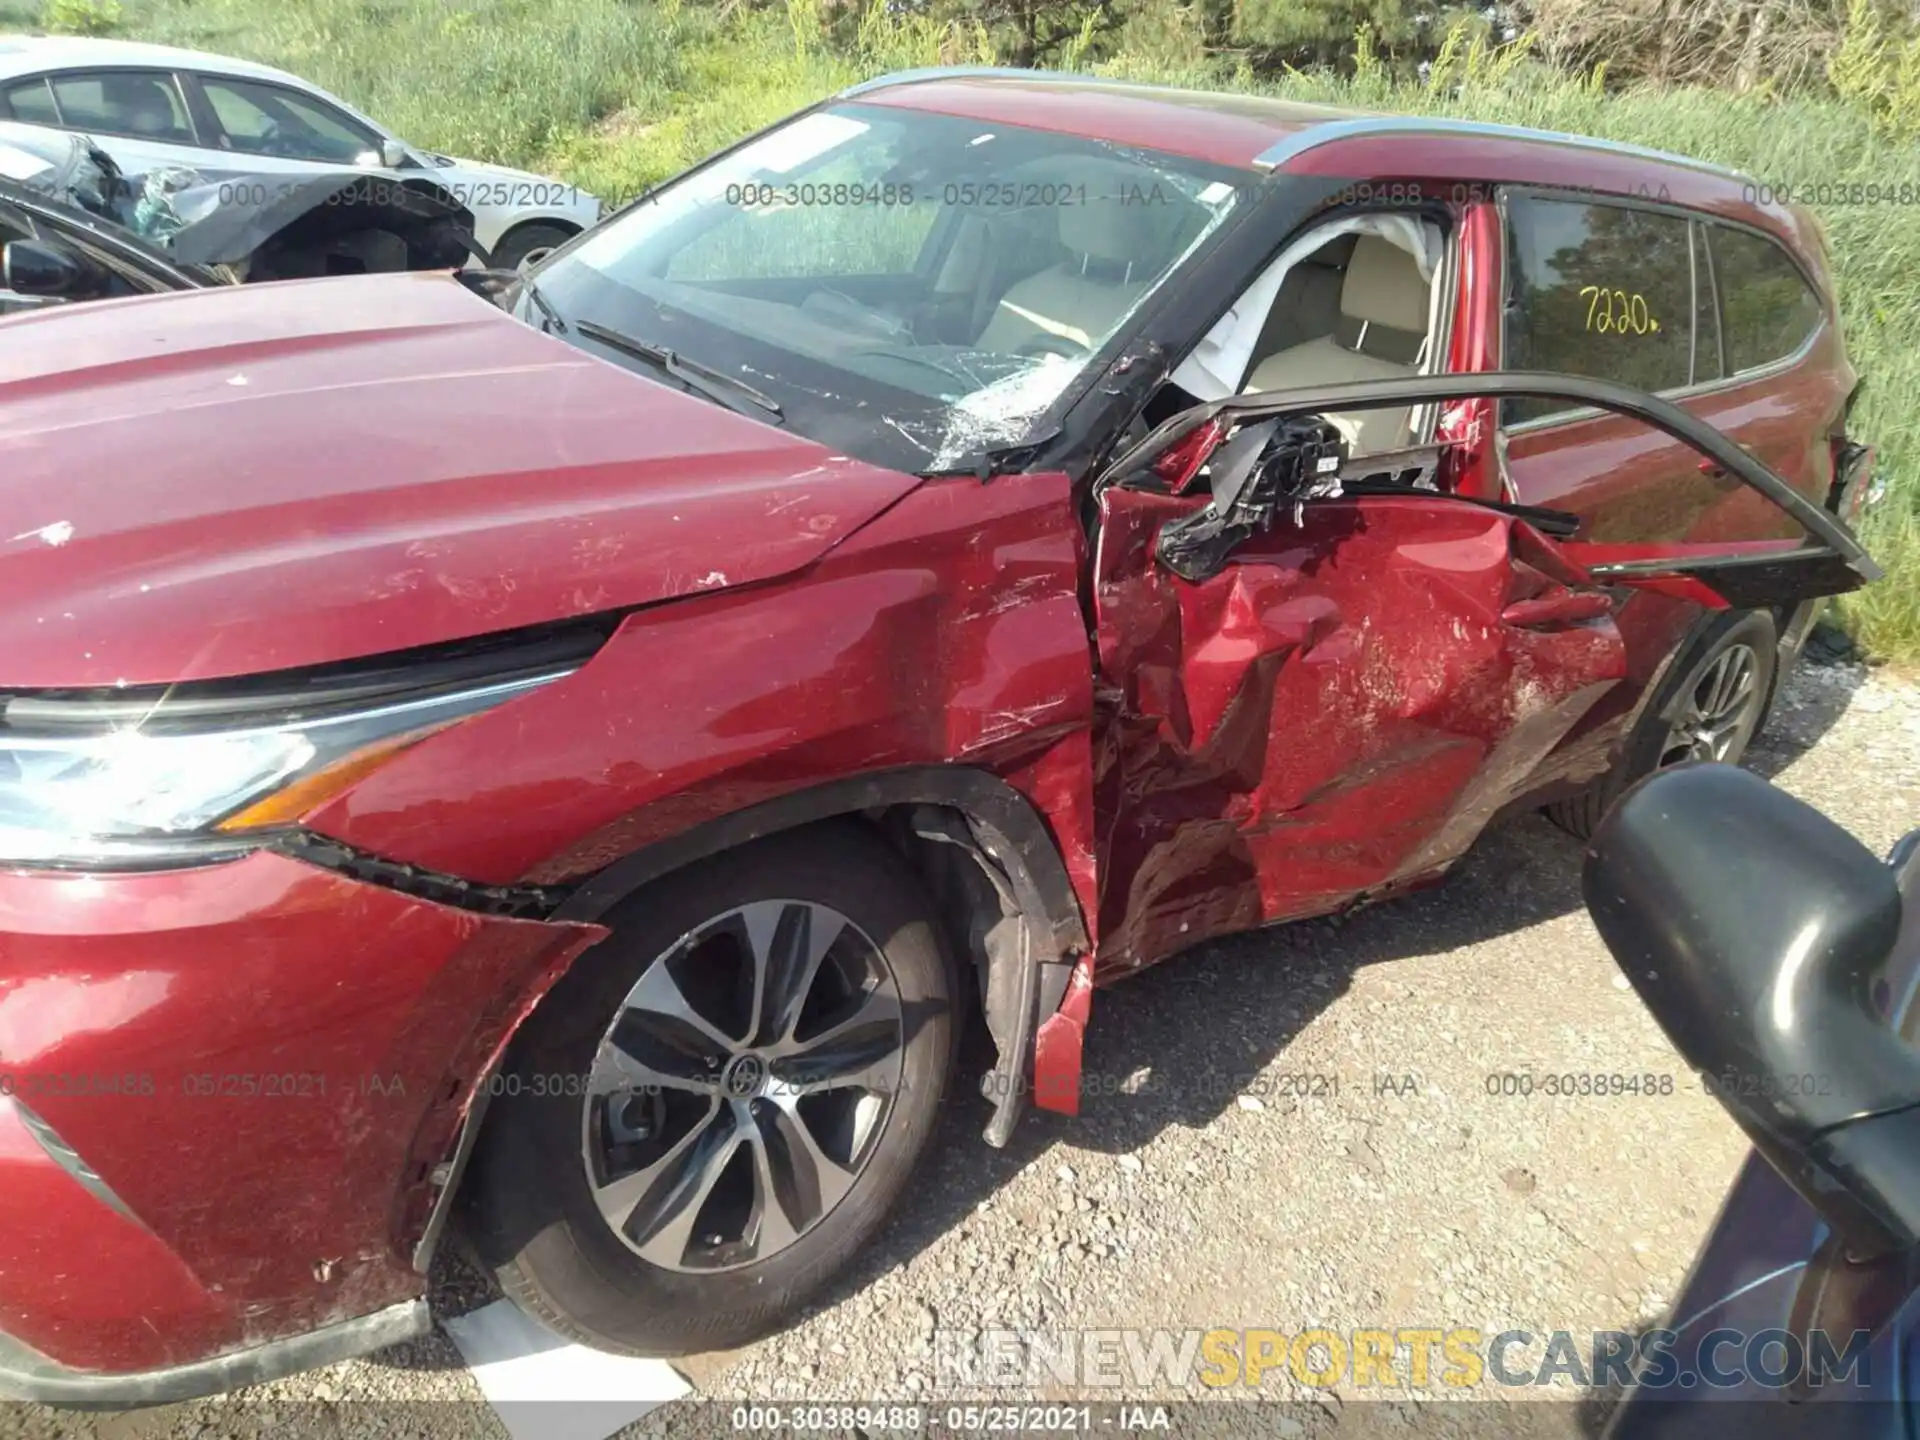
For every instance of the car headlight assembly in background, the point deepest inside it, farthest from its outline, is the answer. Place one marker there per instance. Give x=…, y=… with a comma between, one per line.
x=135, y=780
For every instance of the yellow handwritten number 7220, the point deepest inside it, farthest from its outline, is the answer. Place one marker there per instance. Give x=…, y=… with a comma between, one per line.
x=1615, y=312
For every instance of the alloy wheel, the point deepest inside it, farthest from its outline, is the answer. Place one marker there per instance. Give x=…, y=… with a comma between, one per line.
x=1717, y=714
x=743, y=1086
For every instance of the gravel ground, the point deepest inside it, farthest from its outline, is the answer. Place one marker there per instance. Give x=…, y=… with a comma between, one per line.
x=1201, y=1194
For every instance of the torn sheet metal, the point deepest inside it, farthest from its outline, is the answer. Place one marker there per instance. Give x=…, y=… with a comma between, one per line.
x=272, y=225
x=1334, y=713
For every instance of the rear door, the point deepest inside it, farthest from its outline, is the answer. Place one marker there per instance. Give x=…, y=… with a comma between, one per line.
x=1320, y=682
x=1705, y=312
x=138, y=116
x=1709, y=314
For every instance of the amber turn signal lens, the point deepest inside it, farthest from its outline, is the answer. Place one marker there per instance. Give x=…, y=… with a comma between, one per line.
x=309, y=792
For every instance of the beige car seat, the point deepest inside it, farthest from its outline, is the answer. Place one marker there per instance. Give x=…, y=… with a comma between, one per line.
x=1383, y=287
x=1114, y=255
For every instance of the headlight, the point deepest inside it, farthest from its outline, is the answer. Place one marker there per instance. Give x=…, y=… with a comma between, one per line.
x=116, y=784
x=58, y=795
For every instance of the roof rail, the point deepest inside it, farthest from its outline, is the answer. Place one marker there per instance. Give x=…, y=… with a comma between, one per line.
x=1313, y=137
x=962, y=72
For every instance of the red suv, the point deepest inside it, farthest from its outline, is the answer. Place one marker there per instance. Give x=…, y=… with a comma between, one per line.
x=574, y=762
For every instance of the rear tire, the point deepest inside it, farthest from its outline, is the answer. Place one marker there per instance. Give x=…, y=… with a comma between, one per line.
x=554, y=1151
x=1673, y=728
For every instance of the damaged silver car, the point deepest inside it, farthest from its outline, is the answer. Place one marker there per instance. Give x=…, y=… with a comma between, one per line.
x=74, y=226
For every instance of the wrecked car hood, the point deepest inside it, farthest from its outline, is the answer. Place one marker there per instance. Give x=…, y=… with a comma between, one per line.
x=204, y=220
x=262, y=477
x=223, y=220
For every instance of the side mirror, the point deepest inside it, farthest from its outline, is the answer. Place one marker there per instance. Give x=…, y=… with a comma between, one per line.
x=390, y=155
x=1766, y=942
x=33, y=267
x=1266, y=464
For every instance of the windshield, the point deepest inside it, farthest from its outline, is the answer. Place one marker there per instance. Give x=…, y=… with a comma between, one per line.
x=914, y=289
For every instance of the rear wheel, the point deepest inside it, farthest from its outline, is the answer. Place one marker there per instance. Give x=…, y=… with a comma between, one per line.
x=1711, y=705
x=718, y=1105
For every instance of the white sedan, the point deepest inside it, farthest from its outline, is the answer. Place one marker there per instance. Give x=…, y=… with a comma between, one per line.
x=152, y=105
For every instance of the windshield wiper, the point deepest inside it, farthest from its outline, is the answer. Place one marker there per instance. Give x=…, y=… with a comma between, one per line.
x=549, y=317
x=716, y=385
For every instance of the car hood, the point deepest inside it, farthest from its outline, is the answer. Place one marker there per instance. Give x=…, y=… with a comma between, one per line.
x=266, y=477
x=487, y=167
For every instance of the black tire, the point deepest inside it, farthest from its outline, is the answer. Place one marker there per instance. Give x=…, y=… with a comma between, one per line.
x=1641, y=755
x=530, y=1211
x=524, y=240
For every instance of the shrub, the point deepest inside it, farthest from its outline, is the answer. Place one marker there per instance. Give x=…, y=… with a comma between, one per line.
x=81, y=17
x=1738, y=45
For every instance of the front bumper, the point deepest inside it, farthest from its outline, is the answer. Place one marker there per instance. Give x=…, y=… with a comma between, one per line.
x=25, y=1375
x=223, y=1095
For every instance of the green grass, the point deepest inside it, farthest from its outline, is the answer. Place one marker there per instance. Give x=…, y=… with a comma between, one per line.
x=618, y=94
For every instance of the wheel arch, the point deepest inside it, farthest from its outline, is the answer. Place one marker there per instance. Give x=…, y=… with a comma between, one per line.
x=1010, y=830
x=567, y=227
x=1003, y=897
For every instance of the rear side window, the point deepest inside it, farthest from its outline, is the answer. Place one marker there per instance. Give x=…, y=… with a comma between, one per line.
x=124, y=102
x=1597, y=290
x=1767, y=309
x=30, y=100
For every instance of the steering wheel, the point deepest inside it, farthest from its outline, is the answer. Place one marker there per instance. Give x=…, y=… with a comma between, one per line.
x=876, y=322
x=1053, y=345
x=275, y=141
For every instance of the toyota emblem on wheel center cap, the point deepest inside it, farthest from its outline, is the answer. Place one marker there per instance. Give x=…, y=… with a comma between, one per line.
x=744, y=1077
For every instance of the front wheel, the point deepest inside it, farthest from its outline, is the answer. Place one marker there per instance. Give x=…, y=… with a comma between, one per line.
x=1710, y=706
x=528, y=243
x=718, y=1105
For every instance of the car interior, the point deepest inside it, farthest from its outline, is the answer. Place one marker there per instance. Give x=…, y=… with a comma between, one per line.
x=1360, y=303
x=140, y=105
x=996, y=286
x=1112, y=253
x=1377, y=330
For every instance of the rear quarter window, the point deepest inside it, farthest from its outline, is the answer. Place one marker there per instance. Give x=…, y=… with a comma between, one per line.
x=29, y=100
x=1603, y=291
x=1767, y=309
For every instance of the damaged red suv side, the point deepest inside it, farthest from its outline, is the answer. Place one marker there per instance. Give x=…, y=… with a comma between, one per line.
x=569, y=765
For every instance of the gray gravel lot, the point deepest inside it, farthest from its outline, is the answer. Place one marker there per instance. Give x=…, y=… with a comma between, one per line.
x=1200, y=1194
